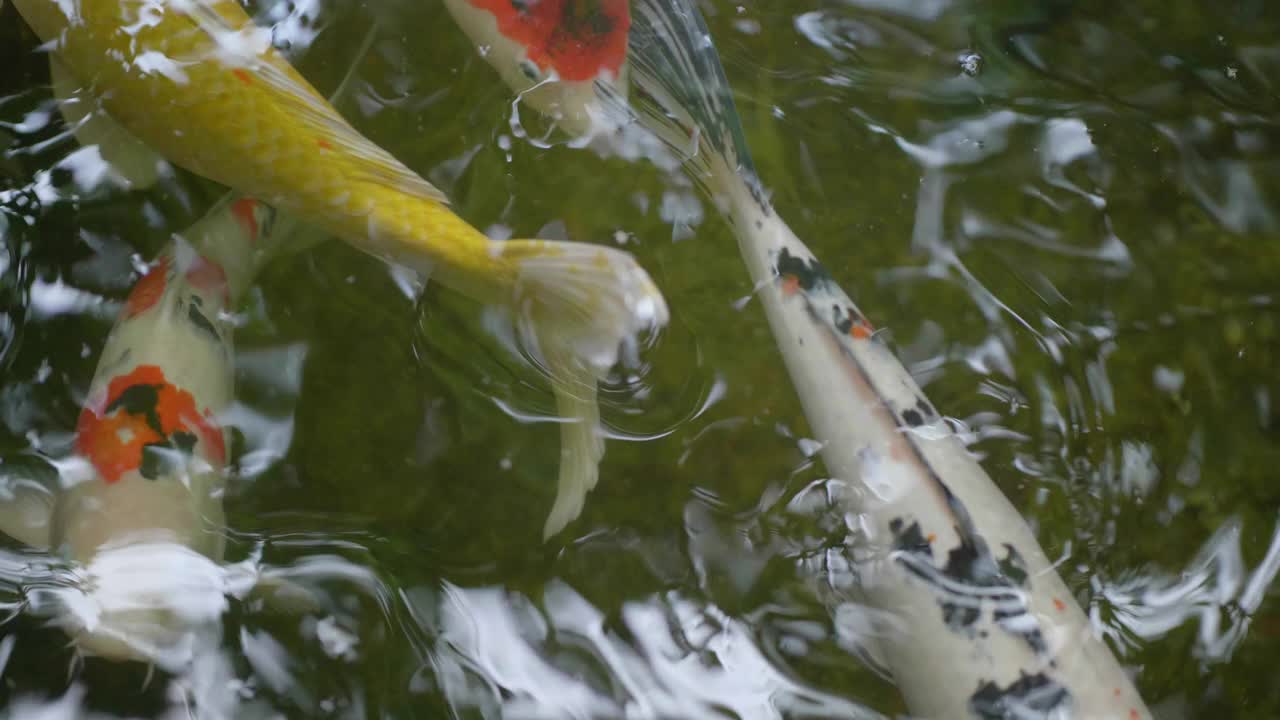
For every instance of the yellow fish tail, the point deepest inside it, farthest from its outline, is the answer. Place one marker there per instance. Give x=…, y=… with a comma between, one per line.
x=579, y=308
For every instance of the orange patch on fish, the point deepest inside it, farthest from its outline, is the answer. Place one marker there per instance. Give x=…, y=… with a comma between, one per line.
x=860, y=330
x=208, y=277
x=1059, y=605
x=143, y=409
x=244, y=211
x=578, y=39
x=324, y=144
x=790, y=285
x=148, y=290
x=243, y=76
x=932, y=538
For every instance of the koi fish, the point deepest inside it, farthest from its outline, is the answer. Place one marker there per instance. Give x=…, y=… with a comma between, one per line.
x=199, y=83
x=990, y=629
x=551, y=52
x=144, y=521
x=140, y=515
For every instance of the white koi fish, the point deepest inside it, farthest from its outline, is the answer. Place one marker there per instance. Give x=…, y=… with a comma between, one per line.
x=140, y=513
x=988, y=629
x=142, y=518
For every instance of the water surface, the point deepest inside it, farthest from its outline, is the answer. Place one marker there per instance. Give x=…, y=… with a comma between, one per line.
x=1065, y=213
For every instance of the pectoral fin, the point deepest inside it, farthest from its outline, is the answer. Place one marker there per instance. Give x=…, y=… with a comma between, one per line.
x=285, y=596
x=26, y=511
x=133, y=161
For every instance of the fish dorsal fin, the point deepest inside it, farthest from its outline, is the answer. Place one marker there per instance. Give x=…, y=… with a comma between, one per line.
x=241, y=44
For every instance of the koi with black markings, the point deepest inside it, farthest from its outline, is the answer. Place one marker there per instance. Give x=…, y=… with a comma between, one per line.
x=989, y=629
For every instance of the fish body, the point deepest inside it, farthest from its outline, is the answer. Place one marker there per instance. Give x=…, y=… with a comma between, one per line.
x=980, y=624
x=150, y=430
x=199, y=83
x=140, y=515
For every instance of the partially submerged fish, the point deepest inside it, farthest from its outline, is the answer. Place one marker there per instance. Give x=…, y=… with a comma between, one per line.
x=551, y=52
x=989, y=630
x=202, y=85
x=141, y=519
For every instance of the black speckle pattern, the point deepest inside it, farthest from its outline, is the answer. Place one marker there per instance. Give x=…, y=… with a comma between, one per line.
x=1030, y=696
x=809, y=273
x=970, y=582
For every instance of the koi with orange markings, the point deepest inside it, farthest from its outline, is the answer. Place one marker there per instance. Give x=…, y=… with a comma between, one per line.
x=150, y=436
x=203, y=86
x=556, y=54
x=144, y=416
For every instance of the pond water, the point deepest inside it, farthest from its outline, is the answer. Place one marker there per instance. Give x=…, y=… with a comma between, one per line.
x=1066, y=213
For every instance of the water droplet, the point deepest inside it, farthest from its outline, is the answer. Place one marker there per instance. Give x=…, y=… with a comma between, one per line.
x=971, y=64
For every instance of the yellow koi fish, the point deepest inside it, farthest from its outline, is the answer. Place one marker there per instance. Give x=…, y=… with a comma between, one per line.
x=198, y=82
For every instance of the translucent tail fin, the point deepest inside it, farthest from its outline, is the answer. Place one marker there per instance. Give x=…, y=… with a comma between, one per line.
x=581, y=443
x=579, y=309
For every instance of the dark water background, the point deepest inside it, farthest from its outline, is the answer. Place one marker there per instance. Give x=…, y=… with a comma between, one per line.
x=1066, y=213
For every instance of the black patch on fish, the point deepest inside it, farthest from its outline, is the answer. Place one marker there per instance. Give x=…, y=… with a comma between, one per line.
x=584, y=20
x=198, y=319
x=1013, y=566
x=810, y=274
x=1028, y=696
x=926, y=410
x=161, y=457
x=140, y=400
x=970, y=582
x=759, y=224
x=912, y=417
x=846, y=318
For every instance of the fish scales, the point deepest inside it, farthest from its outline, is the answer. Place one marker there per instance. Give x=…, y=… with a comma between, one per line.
x=236, y=130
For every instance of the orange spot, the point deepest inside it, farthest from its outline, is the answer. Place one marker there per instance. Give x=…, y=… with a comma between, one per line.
x=243, y=210
x=114, y=440
x=577, y=38
x=1059, y=605
x=114, y=443
x=1116, y=692
x=860, y=330
x=324, y=144
x=931, y=537
x=1133, y=714
x=790, y=285
x=243, y=76
x=148, y=290
x=208, y=277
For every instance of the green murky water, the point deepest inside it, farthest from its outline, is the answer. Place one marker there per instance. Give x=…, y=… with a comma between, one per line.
x=1065, y=212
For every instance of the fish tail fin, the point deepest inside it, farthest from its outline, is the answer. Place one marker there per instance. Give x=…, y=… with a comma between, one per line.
x=581, y=445
x=581, y=302
x=579, y=308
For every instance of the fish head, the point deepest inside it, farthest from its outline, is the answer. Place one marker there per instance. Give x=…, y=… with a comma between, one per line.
x=562, y=57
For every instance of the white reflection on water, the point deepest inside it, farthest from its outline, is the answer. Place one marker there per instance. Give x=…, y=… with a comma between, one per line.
x=267, y=426
x=671, y=657
x=1215, y=590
